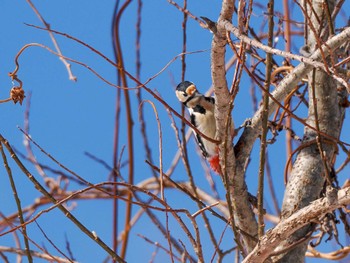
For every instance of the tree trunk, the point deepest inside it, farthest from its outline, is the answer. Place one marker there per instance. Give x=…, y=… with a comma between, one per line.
x=317, y=153
x=242, y=215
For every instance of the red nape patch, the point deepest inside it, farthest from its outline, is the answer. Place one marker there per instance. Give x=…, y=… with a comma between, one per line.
x=215, y=164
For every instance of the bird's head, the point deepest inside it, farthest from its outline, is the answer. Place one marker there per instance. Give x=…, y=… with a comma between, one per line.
x=185, y=91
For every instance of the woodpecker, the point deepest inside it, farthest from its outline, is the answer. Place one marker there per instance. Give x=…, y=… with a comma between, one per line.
x=201, y=109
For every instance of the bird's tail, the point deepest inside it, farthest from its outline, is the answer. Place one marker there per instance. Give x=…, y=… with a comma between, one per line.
x=215, y=164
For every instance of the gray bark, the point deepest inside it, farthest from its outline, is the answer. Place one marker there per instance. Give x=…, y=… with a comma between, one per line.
x=244, y=218
x=309, y=171
x=307, y=178
x=268, y=243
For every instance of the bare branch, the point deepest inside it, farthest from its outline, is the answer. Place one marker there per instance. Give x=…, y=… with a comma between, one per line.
x=268, y=243
x=312, y=60
x=53, y=39
x=251, y=132
x=35, y=254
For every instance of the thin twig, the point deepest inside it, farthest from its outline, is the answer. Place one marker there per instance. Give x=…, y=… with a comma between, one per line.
x=18, y=203
x=288, y=42
x=50, y=241
x=265, y=115
x=129, y=127
x=158, y=245
x=53, y=39
x=140, y=85
x=307, y=60
x=35, y=254
x=60, y=206
x=116, y=164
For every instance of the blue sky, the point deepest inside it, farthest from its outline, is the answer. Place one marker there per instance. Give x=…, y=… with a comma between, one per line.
x=69, y=118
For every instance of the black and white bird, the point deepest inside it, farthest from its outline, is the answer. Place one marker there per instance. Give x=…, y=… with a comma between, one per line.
x=201, y=109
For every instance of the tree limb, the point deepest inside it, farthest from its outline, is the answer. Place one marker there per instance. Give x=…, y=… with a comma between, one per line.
x=237, y=195
x=312, y=61
x=268, y=243
x=251, y=132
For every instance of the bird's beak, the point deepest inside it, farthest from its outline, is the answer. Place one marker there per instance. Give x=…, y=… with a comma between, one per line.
x=191, y=89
